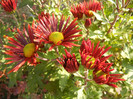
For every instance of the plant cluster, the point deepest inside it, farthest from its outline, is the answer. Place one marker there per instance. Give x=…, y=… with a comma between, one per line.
x=62, y=50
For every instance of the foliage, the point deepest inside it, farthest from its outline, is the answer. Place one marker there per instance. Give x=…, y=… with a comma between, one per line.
x=112, y=26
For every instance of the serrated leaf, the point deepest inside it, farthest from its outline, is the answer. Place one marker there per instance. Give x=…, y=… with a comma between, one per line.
x=64, y=76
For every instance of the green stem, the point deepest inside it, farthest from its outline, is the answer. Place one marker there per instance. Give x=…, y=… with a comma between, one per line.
x=32, y=10
x=86, y=76
x=14, y=17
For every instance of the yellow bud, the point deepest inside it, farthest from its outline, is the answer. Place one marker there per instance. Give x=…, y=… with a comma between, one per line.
x=29, y=50
x=56, y=37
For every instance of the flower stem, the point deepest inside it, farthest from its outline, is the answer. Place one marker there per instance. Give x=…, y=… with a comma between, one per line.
x=32, y=10
x=45, y=59
x=112, y=24
x=79, y=75
x=57, y=51
x=86, y=76
x=18, y=14
x=15, y=19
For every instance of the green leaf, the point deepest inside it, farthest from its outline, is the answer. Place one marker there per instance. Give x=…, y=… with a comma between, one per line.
x=129, y=75
x=112, y=2
x=80, y=93
x=52, y=86
x=94, y=92
x=97, y=16
x=64, y=76
x=12, y=79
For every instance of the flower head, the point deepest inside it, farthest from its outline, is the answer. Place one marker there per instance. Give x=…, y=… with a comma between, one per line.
x=90, y=55
x=50, y=32
x=101, y=75
x=69, y=62
x=23, y=49
x=9, y=5
x=91, y=6
x=96, y=52
x=77, y=11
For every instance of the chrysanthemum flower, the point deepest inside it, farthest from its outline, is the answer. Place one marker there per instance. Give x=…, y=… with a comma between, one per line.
x=23, y=49
x=69, y=62
x=101, y=75
x=91, y=6
x=48, y=30
x=90, y=54
x=9, y=5
x=77, y=11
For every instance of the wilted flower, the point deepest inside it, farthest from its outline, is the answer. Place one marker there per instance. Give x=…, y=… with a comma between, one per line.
x=9, y=5
x=49, y=31
x=69, y=62
x=87, y=22
x=90, y=54
x=91, y=6
x=101, y=75
x=77, y=11
x=23, y=49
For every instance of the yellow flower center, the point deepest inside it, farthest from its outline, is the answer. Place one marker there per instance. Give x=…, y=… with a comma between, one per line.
x=92, y=60
x=29, y=50
x=90, y=13
x=100, y=73
x=56, y=37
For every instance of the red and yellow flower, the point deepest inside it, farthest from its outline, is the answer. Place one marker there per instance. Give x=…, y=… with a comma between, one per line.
x=90, y=6
x=101, y=75
x=24, y=49
x=90, y=54
x=69, y=62
x=9, y=5
x=49, y=31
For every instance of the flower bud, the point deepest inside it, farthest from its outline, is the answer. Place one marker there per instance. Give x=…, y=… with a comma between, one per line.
x=69, y=62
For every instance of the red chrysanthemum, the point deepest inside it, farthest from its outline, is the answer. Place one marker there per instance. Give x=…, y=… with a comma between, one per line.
x=23, y=49
x=9, y=5
x=77, y=11
x=49, y=31
x=69, y=62
x=90, y=54
x=91, y=6
x=101, y=75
